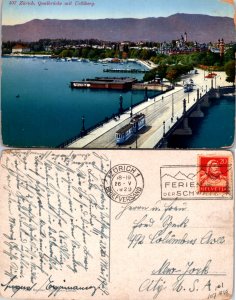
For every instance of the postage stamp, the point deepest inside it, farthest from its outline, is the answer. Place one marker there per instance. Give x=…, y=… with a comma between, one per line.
x=124, y=183
x=213, y=175
x=209, y=178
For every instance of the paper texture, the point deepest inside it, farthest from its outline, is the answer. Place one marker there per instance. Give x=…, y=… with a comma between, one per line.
x=116, y=225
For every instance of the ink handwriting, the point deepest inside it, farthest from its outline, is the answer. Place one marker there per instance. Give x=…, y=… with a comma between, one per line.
x=57, y=220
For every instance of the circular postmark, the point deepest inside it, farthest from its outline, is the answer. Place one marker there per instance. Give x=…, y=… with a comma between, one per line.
x=124, y=183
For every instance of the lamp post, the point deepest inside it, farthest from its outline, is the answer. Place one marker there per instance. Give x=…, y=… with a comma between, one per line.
x=121, y=105
x=184, y=106
x=82, y=131
x=131, y=106
x=146, y=96
x=172, y=108
x=164, y=128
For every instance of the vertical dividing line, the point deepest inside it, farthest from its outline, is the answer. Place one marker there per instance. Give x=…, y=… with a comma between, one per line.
x=109, y=272
x=161, y=181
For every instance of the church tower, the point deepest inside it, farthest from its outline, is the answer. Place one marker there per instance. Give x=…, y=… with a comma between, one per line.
x=222, y=47
x=185, y=37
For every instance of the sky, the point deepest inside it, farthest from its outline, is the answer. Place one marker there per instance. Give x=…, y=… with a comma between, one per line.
x=13, y=12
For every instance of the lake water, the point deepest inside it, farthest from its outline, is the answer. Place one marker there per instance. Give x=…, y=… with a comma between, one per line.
x=215, y=130
x=48, y=112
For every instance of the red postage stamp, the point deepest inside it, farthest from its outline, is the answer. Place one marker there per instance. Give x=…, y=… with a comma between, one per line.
x=213, y=175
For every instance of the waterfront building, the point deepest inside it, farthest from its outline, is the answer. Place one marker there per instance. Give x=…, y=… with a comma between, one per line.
x=218, y=47
x=48, y=48
x=124, y=46
x=20, y=48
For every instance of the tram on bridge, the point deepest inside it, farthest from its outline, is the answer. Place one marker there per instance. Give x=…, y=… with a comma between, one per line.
x=129, y=130
x=188, y=86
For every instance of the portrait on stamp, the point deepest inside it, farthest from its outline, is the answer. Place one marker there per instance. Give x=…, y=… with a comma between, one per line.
x=213, y=175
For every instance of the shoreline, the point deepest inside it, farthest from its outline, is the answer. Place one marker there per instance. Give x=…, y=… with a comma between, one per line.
x=148, y=64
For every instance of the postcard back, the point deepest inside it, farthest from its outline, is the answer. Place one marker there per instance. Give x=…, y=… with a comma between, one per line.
x=103, y=224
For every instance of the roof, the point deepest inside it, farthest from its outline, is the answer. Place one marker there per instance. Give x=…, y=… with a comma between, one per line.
x=124, y=128
x=20, y=47
x=112, y=79
x=137, y=117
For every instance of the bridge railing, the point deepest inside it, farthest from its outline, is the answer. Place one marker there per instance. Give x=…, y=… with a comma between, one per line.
x=99, y=124
x=179, y=116
x=227, y=89
x=163, y=100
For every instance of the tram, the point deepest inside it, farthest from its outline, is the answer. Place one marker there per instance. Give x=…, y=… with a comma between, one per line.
x=188, y=88
x=127, y=131
x=138, y=122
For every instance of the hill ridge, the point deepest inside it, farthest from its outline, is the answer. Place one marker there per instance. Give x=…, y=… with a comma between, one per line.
x=202, y=28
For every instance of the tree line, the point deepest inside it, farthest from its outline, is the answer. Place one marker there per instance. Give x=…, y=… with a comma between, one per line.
x=173, y=66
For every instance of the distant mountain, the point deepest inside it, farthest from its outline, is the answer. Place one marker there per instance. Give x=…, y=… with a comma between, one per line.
x=201, y=28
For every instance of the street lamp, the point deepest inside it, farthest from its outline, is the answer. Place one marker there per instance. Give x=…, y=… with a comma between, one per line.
x=197, y=94
x=164, y=128
x=146, y=96
x=184, y=106
x=121, y=105
x=172, y=108
x=82, y=131
x=131, y=106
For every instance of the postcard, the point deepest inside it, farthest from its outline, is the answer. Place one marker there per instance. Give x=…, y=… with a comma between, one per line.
x=102, y=224
x=106, y=74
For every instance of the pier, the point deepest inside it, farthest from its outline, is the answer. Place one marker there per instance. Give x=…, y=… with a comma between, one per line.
x=165, y=115
x=109, y=83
